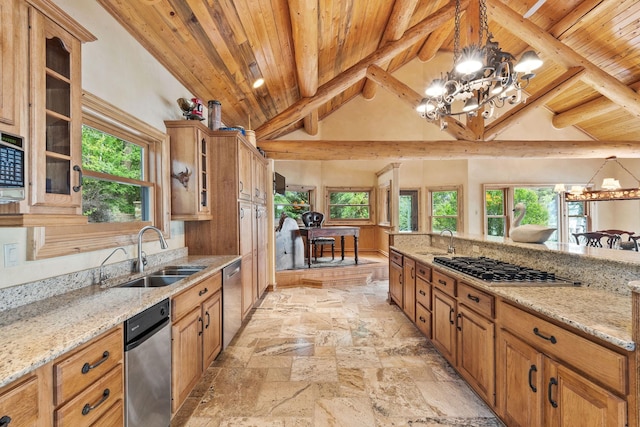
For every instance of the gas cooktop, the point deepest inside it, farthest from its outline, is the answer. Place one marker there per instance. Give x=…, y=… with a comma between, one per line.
x=499, y=273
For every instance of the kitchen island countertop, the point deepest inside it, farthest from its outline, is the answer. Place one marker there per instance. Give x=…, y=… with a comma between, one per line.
x=596, y=312
x=37, y=333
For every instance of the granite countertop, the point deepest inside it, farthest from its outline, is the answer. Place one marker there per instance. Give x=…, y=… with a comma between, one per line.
x=37, y=333
x=602, y=314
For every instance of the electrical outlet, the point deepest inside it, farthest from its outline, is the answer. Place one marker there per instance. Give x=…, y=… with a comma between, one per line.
x=10, y=255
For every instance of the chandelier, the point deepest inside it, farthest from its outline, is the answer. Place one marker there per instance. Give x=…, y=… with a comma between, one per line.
x=483, y=76
x=611, y=188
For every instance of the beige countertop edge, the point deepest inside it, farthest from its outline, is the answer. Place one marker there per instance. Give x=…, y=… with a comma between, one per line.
x=598, y=313
x=38, y=333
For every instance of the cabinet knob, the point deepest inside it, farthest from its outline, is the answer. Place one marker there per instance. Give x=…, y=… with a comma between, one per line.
x=87, y=366
x=5, y=420
x=88, y=408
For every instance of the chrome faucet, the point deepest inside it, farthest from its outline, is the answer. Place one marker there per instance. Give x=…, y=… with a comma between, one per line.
x=451, y=249
x=101, y=275
x=142, y=260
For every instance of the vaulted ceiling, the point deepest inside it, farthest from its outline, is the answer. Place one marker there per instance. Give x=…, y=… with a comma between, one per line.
x=316, y=55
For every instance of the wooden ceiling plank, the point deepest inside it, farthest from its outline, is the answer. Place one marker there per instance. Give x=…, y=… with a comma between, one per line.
x=587, y=111
x=595, y=77
x=357, y=72
x=413, y=98
x=539, y=98
x=434, y=150
x=586, y=8
x=396, y=26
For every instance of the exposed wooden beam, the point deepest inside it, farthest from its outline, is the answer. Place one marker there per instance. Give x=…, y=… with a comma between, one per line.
x=540, y=98
x=548, y=45
x=434, y=42
x=432, y=150
x=304, y=31
x=587, y=111
x=355, y=73
x=396, y=26
x=413, y=98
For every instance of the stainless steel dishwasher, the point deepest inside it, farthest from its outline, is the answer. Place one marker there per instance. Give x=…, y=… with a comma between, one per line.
x=231, y=301
x=147, y=358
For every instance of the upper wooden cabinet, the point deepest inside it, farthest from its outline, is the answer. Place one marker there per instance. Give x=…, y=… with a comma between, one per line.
x=56, y=112
x=8, y=57
x=190, y=180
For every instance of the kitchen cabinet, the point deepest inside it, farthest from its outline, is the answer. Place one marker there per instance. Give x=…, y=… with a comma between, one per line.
x=423, y=299
x=196, y=335
x=89, y=381
x=395, y=278
x=444, y=330
x=9, y=74
x=26, y=401
x=190, y=180
x=541, y=380
x=409, y=288
x=238, y=226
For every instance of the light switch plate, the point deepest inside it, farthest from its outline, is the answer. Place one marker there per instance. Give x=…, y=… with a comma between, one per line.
x=10, y=255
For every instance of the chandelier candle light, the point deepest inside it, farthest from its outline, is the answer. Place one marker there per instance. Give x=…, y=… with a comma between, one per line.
x=483, y=76
x=611, y=189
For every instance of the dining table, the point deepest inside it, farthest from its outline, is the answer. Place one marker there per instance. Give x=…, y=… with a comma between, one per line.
x=310, y=233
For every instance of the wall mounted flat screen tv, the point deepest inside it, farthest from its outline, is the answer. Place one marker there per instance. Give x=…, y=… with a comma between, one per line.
x=279, y=185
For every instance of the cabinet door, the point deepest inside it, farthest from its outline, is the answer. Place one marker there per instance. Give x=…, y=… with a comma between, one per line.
x=475, y=347
x=212, y=334
x=261, y=249
x=19, y=403
x=444, y=329
x=186, y=356
x=8, y=74
x=259, y=180
x=395, y=283
x=245, y=167
x=573, y=401
x=409, y=288
x=56, y=114
x=520, y=391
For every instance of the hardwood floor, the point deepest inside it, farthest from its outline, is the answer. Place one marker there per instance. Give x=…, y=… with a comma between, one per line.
x=325, y=272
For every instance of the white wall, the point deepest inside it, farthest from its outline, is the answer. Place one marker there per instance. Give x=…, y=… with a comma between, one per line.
x=117, y=69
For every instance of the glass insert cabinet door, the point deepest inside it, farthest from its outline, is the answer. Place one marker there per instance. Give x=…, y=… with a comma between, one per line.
x=56, y=137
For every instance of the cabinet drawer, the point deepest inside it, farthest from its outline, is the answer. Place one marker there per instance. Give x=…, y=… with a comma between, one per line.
x=90, y=405
x=476, y=299
x=20, y=403
x=423, y=320
x=423, y=292
x=113, y=417
x=443, y=282
x=395, y=257
x=184, y=302
x=85, y=366
x=423, y=272
x=599, y=363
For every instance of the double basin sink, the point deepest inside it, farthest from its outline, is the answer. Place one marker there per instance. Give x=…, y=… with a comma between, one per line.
x=163, y=277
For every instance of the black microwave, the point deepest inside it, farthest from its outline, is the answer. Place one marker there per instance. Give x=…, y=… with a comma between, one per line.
x=12, y=176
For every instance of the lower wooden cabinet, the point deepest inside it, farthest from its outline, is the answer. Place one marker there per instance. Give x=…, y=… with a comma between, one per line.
x=444, y=328
x=27, y=401
x=395, y=278
x=196, y=335
x=88, y=382
x=409, y=288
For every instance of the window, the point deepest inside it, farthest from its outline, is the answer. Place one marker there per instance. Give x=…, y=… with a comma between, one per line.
x=114, y=187
x=541, y=203
x=445, y=210
x=495, y=209
x=352, y=204
x=293, y=203
x=408, y=210
x=129, y=173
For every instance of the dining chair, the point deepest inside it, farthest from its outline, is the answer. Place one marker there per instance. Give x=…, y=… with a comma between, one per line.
x=630, y=244
x=594, y=239
x=312, y=219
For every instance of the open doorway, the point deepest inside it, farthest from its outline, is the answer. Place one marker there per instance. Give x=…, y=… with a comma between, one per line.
x=408, y=210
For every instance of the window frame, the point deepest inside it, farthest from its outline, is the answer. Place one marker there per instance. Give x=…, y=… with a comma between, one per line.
x=365, y=221
x=66, y=239
x=459, y=217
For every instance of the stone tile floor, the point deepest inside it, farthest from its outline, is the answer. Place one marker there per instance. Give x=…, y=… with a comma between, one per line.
x=338, y=356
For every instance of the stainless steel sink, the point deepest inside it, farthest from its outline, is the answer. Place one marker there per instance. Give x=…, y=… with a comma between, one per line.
x=153, y=281
x=179, y=270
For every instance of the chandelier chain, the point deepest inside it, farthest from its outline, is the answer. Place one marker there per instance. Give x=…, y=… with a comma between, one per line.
x=456, y=34
x=484, y=24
